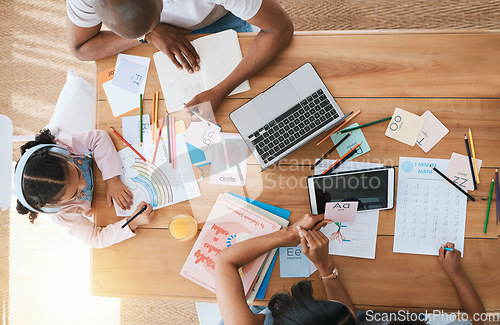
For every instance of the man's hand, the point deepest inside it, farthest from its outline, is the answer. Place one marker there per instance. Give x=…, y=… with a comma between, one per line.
x=142, y=219
x=173, y=42
x=117, y=191
x=450, y=260
x=202, y=100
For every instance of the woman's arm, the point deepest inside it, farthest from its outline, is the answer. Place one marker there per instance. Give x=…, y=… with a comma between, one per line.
x=230, y=293
x=315, y=246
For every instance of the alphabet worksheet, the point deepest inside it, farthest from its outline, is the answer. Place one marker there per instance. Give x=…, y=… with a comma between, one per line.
x=429, y=211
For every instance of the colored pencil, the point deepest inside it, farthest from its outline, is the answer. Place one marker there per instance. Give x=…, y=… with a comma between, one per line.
x=153, y=122
x=128, y=144
x=474, y=156
x=470, y=163
x=173, y=139
x=489, y=205
x=348, y=117
x=451, y=182
x=367, y=124
x=496, y=195
x=168, y=139
x=158, y=139
x=330, y=151
x=140, y=119
x=339, y=162
x=134, y=216
x=156, y=111
x=448, y=249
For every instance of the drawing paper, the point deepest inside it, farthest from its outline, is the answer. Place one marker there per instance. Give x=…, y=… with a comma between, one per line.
x=432, y=132
x=459, y=171
x=356, y=137
x=404, y=126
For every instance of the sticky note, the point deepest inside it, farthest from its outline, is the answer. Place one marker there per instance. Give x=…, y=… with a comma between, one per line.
x=432, y=132
x=129, y=76
x=404, y=126
x=341, y=211
x=293, y=263
x=459, y=170
x=356, y=137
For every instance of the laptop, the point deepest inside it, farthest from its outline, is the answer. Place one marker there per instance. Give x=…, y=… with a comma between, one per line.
x=287, y=115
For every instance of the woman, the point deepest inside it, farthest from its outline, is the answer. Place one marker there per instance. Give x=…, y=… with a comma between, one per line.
x=299, y=307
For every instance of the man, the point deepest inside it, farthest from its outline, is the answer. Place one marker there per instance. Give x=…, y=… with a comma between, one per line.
x=165, y=24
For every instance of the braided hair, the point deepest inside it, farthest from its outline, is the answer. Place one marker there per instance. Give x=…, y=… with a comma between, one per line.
x=301, y=308
x=44, y=175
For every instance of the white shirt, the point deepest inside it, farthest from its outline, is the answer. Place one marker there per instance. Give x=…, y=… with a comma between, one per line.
x=181, y=13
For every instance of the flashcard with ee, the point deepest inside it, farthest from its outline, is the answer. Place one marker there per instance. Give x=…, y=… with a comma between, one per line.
x=432, y=132
x=405, y=126
x=341, y=211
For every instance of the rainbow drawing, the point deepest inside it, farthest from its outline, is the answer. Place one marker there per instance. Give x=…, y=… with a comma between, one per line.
x=153, y=182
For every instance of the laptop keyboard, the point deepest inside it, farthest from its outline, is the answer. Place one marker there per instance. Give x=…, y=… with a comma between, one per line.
x=294, y=125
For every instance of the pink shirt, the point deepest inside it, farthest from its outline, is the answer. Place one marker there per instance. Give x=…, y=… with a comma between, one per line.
x=75, y=216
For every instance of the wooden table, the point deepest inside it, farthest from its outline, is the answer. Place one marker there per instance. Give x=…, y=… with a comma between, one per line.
x=455, y=75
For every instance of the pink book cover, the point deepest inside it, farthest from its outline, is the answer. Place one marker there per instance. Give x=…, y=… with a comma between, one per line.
x=227, y=224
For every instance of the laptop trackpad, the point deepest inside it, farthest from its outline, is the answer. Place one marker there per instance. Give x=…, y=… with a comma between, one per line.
x=276, y=100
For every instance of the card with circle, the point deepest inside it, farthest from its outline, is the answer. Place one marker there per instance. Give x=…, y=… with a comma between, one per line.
x=405, y=126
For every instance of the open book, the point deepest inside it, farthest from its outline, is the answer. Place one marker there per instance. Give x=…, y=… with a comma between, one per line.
x=219, y=54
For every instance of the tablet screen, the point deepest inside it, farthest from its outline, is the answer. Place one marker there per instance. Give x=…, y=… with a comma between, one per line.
x=369, y=188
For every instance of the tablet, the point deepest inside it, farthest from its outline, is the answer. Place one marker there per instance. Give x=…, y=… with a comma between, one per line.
x=372, y=188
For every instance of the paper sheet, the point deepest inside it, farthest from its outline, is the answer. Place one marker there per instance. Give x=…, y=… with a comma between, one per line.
x=432, y=132
x=356, y=137
x=459, y=171
x=404, y=126
x=159, y=185
x=348, y=165
x=229, y=162
x=354, y=239
x=429, y=212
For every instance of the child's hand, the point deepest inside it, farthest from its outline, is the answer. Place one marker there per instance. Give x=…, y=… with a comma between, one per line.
x=118, y=192
x=450, y=260
x=308, y=222
x=317, y=251
x=144, y=218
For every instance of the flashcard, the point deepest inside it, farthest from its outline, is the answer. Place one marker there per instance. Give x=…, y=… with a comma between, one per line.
x=356, y=137
x=405, y=126
x=130, y=127
x=341, y=211
x=129, y=76
x=459, y=171
x=432, y=132
x=293, y=263
x=202, y=134
x=229, y=160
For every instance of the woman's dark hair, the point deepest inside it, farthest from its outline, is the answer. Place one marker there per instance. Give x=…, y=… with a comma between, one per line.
x=44, y=175
x=301, y=308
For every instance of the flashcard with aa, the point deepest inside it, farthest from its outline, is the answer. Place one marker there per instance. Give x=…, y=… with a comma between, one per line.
x=129, y=76
x=432, y=132
x=459, y=170
x=341, y=211
x=405, y=126
x=202, y=134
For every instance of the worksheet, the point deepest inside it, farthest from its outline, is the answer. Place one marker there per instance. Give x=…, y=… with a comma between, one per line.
x=429, y=212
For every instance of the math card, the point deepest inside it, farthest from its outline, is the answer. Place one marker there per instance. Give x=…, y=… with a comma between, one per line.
x=432, y=132
x=459, y=171
x=405, y=126
x=229, y=160
x=130, y=127
x=202, y=134
x=293, y=263
x=356, y=137
x=129, y=75
x=341, y=211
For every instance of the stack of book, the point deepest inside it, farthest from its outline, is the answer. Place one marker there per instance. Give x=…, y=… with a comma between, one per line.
x=234, y=219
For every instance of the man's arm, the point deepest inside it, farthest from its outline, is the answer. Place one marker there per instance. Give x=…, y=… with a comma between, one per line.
x=275, y=34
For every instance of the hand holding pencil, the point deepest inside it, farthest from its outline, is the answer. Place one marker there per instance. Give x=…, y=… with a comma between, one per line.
x=143, y=215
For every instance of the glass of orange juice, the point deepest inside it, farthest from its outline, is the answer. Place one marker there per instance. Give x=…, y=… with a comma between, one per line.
x=183, y=227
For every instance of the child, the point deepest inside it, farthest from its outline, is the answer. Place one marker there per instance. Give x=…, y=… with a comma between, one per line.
x=55, y=176
x=299, y=307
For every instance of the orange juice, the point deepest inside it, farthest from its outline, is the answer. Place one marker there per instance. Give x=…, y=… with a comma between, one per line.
x=183, y=227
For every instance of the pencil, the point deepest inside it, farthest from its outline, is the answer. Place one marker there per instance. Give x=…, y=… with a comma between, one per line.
x=489, y=205
x=140, y=119
x=156, y=111
x=348, y=117
x=153, y=122
x=173, y=139
x=134, y=216
x=168, y=139
x=474, y=156
x=339, y=162
x=470, y=163
x=451, y=182
x=158, y=139
x=362, y=126
x=448, y=249
x=330, y=151
x=128, y=144
x=496, y=195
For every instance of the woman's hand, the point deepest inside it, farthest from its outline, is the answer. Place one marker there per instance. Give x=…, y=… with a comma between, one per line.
x=144, y=218
x=118, y=192
x=315, y=246
x=450, y=260
x=307, y=222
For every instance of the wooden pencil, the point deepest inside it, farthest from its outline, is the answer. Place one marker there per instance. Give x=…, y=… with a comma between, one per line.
x=340, y=126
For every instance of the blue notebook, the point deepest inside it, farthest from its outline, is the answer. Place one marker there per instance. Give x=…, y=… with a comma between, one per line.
x=283, y=213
